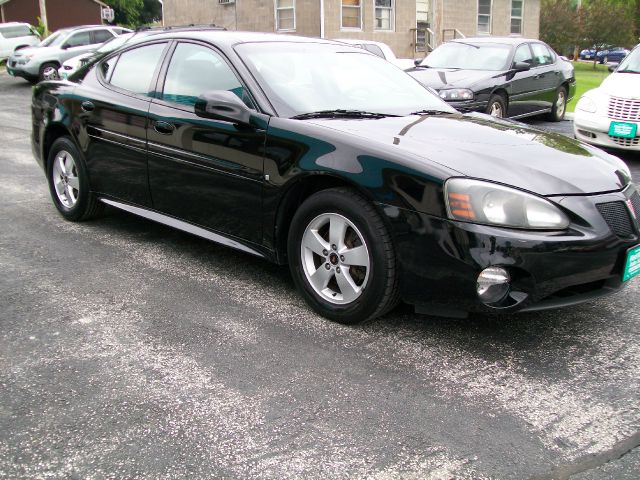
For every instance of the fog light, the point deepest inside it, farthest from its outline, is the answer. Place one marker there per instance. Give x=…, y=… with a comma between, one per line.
x=493, y=284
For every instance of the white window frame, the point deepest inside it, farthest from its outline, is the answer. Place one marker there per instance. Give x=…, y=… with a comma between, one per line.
x=490, y=18
x=521, y=18
x=392, y=9
x=352, y=29
x=276, y=9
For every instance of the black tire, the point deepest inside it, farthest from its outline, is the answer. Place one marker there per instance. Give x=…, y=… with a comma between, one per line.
x=43, y=70
x=558, y=109
x=87, y=205
x=497, y=101
x=380, y=293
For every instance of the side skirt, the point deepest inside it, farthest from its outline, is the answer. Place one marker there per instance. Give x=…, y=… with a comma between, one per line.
x=181, y=225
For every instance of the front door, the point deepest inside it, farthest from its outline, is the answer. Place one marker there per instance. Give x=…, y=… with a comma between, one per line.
x=207, y=172
x=522, y=99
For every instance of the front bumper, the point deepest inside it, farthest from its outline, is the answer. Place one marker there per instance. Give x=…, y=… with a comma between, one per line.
x=593, y=128
x=26, y=70
x=440, y=259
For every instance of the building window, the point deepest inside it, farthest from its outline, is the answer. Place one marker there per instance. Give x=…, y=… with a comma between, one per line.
x=484, y=16
x=352, y=14
x=384, y=14
x=516, y=16
x=285, y=15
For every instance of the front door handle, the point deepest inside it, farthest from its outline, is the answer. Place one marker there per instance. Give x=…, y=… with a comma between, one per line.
x=87, y=106
x=164, y=128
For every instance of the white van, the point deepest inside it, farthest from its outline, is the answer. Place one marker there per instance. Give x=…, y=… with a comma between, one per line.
x=15, y=35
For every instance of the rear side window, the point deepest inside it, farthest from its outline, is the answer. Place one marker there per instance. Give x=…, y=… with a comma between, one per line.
x=101, y=36
x=79, y=39
x=195, y=69
x=135, y=68
x=541, y=54
x=15, y=31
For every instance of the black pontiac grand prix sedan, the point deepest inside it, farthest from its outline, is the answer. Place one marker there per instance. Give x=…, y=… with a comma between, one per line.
x=328, y=158
x=502, y=76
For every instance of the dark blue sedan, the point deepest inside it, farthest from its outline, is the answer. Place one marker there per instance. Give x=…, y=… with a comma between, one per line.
x=614, y=54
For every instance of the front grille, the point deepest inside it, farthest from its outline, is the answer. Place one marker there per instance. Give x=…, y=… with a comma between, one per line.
x=624, y=109
x=618, y=217
x=625, y=142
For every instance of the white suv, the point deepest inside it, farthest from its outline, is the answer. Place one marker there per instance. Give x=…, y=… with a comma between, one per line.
x=14, y=36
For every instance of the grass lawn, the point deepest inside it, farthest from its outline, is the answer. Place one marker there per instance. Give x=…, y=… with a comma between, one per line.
x=586, y=79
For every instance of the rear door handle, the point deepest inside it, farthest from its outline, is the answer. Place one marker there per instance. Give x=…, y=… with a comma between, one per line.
x=87, y=106
x=164, y=128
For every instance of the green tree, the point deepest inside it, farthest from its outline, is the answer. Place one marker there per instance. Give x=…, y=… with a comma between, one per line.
x=127, y=12
x=559, y=24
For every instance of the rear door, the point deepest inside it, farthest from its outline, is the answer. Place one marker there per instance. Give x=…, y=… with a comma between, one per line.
x=116, y=116
x=207, y=172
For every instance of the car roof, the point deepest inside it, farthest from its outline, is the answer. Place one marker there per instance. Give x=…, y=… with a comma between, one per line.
x=494, y=40
x=7, y=24
x=231, y=38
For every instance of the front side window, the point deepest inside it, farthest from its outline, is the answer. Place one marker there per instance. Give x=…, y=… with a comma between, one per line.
x=194, y=70
x=516, y=16
x=484, y=16
x=541, y=54
x=523, y=55
x=79, y=39
x=285, y=15
x=351, y=14
x=384, y=11
x=135, y=68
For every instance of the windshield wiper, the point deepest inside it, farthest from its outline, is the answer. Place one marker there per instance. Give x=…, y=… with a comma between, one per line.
x=431, y=112
x=627, y=71
x=341, y=113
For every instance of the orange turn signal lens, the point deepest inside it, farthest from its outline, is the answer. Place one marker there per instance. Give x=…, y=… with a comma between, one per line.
x=460, y=205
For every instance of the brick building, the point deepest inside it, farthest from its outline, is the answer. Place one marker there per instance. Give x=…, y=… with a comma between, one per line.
x=409, y=27
x=60, y=13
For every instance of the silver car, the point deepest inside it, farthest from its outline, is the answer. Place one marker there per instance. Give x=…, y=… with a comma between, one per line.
x=42, y=61
x=16, y=35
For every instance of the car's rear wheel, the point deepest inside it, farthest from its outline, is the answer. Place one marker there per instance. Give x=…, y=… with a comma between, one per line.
x=69, y=183
x=497, y=106
x=48, y=71
x=342, y=258
x=559, y=107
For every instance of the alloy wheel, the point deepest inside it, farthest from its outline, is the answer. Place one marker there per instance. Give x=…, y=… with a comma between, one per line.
x=335, y=258
x=496, y=110
x=65, y=179
x=561, y=103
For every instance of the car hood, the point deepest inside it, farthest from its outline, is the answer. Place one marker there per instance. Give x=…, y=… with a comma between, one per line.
x=478, y=146
x=439, y=78
x=626, y=85
x=37, y=51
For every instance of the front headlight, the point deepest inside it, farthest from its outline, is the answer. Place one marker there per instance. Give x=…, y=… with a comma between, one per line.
x=477, y=201
x=456, y=94
x=586, y=105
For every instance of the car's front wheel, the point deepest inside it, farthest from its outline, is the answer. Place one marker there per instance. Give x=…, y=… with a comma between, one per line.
x=48, y=71
x=497, y=106
x=342, y=258
x=69, y=183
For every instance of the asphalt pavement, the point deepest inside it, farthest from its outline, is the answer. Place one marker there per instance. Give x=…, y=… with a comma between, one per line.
x=131, y=350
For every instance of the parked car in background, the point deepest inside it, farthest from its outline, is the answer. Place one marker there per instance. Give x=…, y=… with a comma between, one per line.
x=504, y=77
x=327, y=158
x=609, y=116
x=380, y=49
x=613, y=55
x=16, y=35
x=587, y=54
x=71, y=66
x=43, y=61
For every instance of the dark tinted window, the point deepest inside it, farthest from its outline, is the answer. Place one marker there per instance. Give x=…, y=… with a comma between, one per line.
x=541, y=54
x=523, y=54
x=195, y=69
x=135, y=68
x=79, y=39
x=376, y=50
x=101, y=36
x=15, y=31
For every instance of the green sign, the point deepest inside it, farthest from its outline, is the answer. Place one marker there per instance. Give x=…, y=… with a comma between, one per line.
x=632, y=267
x=623, y=129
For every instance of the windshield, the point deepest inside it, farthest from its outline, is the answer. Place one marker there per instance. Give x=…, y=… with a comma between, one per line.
x=309, y=77
x=54, y=39
x=115, y=42
x=631, y=63
x=469, y=57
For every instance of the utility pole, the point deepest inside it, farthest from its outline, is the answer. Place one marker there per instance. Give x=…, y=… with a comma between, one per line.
x=43, y=15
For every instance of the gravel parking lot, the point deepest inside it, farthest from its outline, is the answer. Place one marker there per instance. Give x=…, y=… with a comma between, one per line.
x=128, y=349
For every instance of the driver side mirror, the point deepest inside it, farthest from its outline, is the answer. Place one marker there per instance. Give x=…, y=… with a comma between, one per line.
x=222, y=105
x=521, y=67
x=418, y=61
